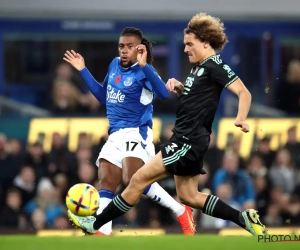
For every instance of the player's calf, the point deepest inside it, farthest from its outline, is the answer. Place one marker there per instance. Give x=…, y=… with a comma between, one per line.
x=193, y=199
x=248, y=219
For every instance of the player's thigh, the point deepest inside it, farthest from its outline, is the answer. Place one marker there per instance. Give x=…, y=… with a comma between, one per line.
x=134, y=145
x=110, y=163
x=136, y=152
x=130, y=165
x=153, y=171
x=112, y=149
x=109, y=175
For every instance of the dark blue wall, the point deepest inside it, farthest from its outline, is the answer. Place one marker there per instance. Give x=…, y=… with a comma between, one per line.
x=246, y=41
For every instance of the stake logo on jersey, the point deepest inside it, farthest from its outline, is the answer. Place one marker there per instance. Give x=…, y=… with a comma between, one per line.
x=129, y=97
x=114, y=96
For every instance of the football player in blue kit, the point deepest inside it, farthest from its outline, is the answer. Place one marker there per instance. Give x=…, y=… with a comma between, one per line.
x=128, y=92
x=182, y=156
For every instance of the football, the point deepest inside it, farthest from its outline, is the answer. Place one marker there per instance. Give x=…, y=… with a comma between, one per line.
x=82, y=199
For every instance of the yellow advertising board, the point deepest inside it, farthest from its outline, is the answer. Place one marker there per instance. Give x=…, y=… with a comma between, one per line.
x=42, y=130
x=276, y=128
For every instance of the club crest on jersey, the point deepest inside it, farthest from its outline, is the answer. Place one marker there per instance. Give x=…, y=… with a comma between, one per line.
x=128, y=82
x=200, y=72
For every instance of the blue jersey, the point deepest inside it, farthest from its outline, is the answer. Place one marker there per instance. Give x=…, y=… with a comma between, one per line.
x=128, y=94
x=129, y=97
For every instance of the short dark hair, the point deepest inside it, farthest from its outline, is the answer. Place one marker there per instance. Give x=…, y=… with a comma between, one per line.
x=208, y=29
x=137, y=32
x=13, y=190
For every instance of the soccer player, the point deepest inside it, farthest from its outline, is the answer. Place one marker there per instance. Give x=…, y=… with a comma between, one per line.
x=128, y=92
x=183, y=154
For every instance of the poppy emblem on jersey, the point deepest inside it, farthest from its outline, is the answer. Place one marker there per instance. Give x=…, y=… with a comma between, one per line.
x=128, y=82
x=118, y=79
x=196, y=70
x=200, y=72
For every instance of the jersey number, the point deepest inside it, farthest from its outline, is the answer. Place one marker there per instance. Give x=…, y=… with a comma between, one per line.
x=134, y=144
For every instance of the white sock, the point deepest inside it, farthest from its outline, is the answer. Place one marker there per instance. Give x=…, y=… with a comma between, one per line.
x=156, y=193
x=104, y=201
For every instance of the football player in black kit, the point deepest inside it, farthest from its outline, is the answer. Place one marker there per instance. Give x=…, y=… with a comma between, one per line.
x=182, y=155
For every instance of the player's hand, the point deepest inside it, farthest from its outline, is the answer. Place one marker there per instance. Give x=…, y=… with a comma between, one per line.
x=142, y=55
x=75, y=59
x=243, y=125
x=175, y=86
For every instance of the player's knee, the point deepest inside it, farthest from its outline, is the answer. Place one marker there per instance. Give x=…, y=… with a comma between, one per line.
x=126, y=179
x=136, y=182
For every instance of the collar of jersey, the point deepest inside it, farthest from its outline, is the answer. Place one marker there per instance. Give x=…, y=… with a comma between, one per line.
x=129, y=67
x=205, y=60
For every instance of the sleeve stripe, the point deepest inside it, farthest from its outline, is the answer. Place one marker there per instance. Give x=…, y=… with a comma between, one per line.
x=236, y=77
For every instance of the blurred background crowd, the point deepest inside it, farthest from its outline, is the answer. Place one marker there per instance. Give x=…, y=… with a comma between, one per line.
x=34, y=183
x=35, y=82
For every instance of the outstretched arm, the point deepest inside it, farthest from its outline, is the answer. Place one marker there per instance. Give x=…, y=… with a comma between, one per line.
x=95, y=87
x=77, y=61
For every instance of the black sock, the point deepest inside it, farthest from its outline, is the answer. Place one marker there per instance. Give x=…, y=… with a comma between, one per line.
x=117, y=207
x=215, y=207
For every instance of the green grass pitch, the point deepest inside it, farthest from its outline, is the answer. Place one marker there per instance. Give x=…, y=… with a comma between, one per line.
x=165, y=242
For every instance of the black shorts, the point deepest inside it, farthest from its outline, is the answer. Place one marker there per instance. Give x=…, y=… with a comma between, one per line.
x=183, y=158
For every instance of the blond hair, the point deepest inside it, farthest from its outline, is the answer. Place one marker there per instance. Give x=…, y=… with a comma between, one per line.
x=208, y=29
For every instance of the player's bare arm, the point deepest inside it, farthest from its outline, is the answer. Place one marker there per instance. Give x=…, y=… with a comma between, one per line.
x=175, y=86
x=238, y=88
x=75, y=59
